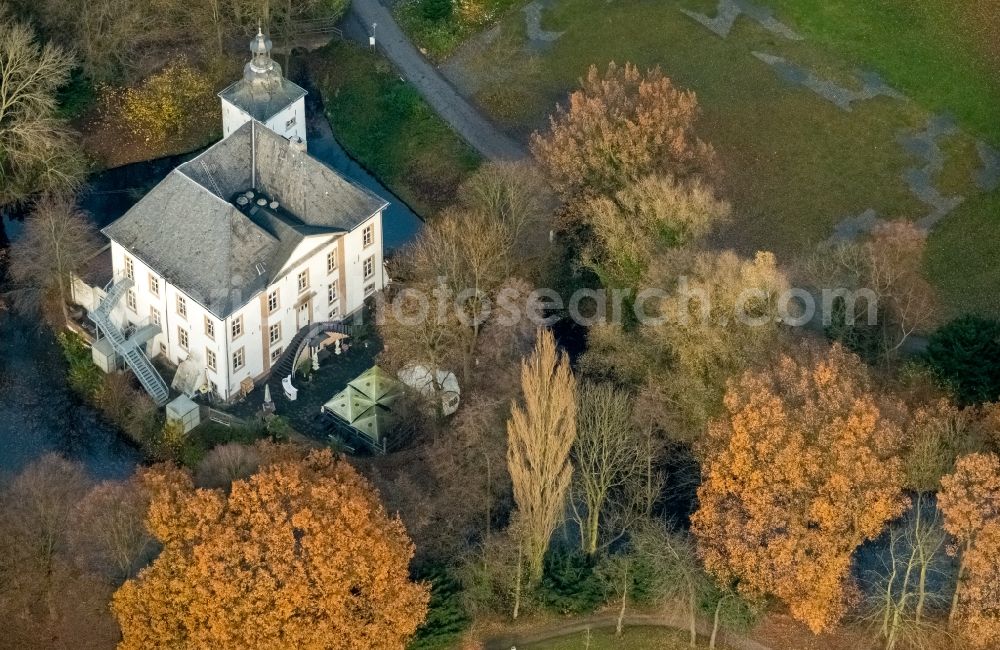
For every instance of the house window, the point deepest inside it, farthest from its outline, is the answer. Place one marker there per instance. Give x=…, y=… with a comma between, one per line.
x=334, y=312
x=303, y=280
x=239, y=359
x=369, y=289
x=130, y=299
x=182, y=307
x=331, y=261
x=368, y=235
x=237, y=327
x=154, y=315
x=182, y=338
x=210, y=360
x=274, y=333
x=290, y=123
x=154, y=285
x=369, y=267
x=272, y=301
x=331, y=294
x=275, y=353
x=209, y=328
x=129, y=268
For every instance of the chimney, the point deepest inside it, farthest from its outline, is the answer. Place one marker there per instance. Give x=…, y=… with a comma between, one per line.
x=296, y=143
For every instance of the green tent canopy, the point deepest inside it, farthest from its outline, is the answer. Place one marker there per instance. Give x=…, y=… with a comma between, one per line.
x=365, y=404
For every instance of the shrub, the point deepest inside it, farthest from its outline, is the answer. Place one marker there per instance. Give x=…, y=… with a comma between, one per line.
x=84, y=376
x=278, y=428
x=569, y=584
x=165, y=104
x=225, y=464
x=965, y=355
x=858, y=336
x=115, y=398
x=436, y=10
x=173, y=437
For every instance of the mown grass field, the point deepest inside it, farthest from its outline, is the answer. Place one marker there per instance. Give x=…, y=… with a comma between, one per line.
x=795, y=165
x=384, y=124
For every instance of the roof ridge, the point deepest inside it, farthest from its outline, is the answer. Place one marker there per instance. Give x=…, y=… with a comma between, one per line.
x=336, y=173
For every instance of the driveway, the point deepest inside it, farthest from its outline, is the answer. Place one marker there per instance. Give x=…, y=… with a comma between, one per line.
x=469, y=123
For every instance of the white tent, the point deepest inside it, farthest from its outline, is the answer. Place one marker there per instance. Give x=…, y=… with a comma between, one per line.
x=420, y=378
x=190, y=376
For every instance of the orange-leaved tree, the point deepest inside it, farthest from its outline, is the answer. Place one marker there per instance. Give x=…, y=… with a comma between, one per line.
x=979, y=599
x=799, y=472
x=970, y=501
x=300, y=554
x=619, y=127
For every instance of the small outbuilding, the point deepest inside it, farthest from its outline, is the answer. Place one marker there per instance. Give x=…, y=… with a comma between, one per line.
x=184, y=410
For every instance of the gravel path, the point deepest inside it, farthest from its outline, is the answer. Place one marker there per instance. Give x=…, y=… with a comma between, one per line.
x=479, y=132
x=670, y=619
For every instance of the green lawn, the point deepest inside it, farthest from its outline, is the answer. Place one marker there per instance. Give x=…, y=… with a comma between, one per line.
x=795, y=165
x=943, y=53
x=964, y=260
x=384, y=124
x=637, y=638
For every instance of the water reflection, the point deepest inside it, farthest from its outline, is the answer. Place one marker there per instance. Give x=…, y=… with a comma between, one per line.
x=40, y=414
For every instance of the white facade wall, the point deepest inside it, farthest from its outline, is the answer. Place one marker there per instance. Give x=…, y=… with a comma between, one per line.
x=290, y=122
x=295, y=309
x=202, y=338
x=355, y=256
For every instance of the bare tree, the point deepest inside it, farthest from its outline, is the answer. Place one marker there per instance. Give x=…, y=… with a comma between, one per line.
x=642, y=220
x=610, y=459
x=225, y=464
x=57, y=241
x=720, y=314
x=889, y=266
x=108, y=529
x=495, y=577
x=46, y=601
x=414, y=331
x=450, y=277
x=540, y=433
x=41, y=499
x=39, y=153
x=899, y=590
x=936, y=434
x=677, y=573
x=617, y=572
x=515, y=197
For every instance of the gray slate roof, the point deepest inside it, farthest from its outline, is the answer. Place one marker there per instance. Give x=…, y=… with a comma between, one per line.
x=188, y=229
x=260, y=102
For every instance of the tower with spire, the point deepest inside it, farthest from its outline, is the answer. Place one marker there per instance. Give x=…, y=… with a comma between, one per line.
x=265, y=95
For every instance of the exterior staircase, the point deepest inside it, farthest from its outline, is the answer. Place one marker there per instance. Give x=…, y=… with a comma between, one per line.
x=130, y=348
x=286, y=364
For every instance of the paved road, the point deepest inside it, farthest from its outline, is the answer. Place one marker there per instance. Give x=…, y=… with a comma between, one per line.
x=479, y=132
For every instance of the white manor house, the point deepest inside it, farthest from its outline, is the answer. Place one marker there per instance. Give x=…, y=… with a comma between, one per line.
x=234, y=252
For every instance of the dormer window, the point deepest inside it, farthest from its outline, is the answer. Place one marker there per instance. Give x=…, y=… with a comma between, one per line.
x=290, y=123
